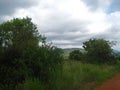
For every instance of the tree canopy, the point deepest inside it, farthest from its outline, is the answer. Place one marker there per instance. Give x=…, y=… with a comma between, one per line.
x=98, y=50
x=21, y=56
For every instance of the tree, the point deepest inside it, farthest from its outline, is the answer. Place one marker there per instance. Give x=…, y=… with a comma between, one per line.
x=98, y=50
x=75, y=55
x=15, y=37
x=42, y=61
x=22, y=57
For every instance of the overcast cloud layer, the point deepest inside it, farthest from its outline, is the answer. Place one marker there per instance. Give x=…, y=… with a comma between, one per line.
x=68, y=23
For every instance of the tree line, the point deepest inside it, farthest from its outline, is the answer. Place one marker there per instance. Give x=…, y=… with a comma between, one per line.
x=97, y=51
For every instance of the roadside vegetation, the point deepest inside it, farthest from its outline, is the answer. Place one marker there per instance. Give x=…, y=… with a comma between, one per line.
x=86, y=76
x=26, y=56
x=28, y=62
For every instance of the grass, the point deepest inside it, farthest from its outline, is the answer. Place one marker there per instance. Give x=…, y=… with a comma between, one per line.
x=76, y=76
x=79, y=76
x=30, y=84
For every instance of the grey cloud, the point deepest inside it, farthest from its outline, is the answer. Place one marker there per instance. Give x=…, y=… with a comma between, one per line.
x=76, y=40
x=112, y=38
x=62, y=24
x=92, y=3
x=59, y=26
x=115, y=6
x=111, y=35
x=7, y=7
x=71, y=38
x=63, y=28
x=66, y=30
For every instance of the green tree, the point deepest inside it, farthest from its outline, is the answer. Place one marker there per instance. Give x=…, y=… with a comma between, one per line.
x=22, y=57
x=15, y=37
x=98, y=50
x=75, y=55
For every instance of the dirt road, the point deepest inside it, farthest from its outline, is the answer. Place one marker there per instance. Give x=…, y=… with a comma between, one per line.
x=111, y=84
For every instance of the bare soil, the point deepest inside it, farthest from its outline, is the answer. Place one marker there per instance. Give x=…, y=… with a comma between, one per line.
x=111, y=84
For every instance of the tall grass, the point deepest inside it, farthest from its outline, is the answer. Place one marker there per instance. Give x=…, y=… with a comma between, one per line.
x=79, y=76
x=75, y=76
x=31, y=84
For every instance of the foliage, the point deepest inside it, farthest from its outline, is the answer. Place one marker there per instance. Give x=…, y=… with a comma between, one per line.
x=75, y=55
x=98, y=50
x=22, y=57
x=83, y=76
x=31, y=84
x=43, y=61
x=76, y=76
x=15, y=37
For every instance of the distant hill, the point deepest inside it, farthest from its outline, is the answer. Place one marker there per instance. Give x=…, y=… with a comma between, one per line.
x=68, y=50
x=116, y=51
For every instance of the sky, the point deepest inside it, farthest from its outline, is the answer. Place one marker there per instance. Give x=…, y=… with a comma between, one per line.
x=68, y=23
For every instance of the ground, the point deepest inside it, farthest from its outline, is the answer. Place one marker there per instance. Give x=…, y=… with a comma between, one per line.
x=111, y=84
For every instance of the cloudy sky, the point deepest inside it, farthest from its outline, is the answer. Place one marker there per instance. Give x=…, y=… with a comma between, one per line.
x=68, y=23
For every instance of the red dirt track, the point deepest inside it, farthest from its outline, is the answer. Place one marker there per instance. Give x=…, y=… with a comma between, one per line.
x=111, y=84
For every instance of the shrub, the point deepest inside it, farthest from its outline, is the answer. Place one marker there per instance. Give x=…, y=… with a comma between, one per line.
x=75, y=55
x=22, y=57
x=98, y=51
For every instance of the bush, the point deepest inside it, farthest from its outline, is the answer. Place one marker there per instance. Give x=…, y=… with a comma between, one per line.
x=30, y=84
x=22, y=57
x=75, y=55
x=98, y=51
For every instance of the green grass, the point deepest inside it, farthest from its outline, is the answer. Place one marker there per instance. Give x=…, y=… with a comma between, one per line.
x=76, y=76
x=30, y=84
x=79, y=76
